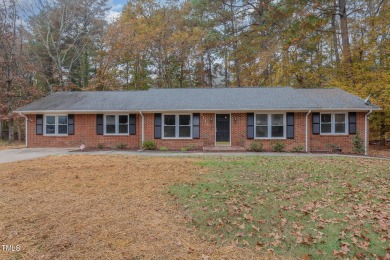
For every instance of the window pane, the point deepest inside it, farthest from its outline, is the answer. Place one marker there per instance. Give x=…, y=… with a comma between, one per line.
x=169, y=131
x=110, y=120
x=169, y=119
x=123, y=119
x=184, y=131
x=277, y=119
x=63, y=120
x=340, y=128
x=110, y=129
x=50, y=129
x=50, y=120
x=184, y=119
x=326, y=128
x=123, y=129
x=63, y=129
x=261, y=131
x=277, y=131
x=339, y=118
x=261, y=119
x=326, y=118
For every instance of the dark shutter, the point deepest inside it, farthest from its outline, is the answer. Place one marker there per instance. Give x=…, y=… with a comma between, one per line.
x=290, y=125
x=70, y=124
x=157, y=126
x=99, y=125
x=250, y=122
x=195, y=126
x=316, y=123
x=352, y=123
x=39, y=130
x=132, y=124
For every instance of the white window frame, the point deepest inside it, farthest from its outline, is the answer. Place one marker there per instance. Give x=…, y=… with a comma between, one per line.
x=269, y=125
x=55, y=125
x=177, y=126
x=116, y=124
x=333, y=123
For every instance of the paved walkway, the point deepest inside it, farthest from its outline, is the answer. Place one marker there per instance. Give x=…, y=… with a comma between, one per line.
x=12, y=155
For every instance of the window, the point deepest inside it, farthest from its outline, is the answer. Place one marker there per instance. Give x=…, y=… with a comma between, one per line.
x=177, y=126
x=270, y=126
x=333, y=123
x=116, y=125
x=56, y=125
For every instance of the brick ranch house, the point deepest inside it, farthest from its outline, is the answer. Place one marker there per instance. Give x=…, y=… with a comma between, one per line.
x=312, y=119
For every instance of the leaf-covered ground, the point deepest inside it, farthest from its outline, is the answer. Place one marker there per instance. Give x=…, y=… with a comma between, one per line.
x=293, y=206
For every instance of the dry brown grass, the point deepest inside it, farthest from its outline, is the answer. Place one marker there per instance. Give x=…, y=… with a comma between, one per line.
x=101, y=207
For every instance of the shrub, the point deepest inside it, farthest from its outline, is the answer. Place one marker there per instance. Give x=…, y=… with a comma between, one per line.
x=334, y=148
x=358, y=144
x=164, y=149
x=256, y=147
x=298, y=148
x=186, y=148
x=121, y=146
x=100, y=146
x=278, y=146
x=149, y=145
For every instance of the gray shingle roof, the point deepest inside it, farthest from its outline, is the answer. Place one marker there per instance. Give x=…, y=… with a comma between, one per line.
x=200, y=99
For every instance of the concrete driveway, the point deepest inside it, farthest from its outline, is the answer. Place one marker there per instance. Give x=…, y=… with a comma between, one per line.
x=12, y=155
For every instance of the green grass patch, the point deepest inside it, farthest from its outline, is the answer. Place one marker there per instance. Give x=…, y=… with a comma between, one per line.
x=296, y=206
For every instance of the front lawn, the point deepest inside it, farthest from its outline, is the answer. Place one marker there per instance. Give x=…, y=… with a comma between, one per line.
x=294, y=206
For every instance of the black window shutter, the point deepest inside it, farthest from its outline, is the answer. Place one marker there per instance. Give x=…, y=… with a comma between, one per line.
x=132, y=124
x=316, y=123
x=352, y=123
x=157, y=126
x=195, y=126
x=290, y=125
x=99, y=124
x=70, y=124
x=250, y=130
x=39, y=130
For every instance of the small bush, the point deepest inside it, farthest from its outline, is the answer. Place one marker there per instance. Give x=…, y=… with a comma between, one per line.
x=256, y=147
x=149, y=145
x=298, y=148
x=121, y=146
x=100, y=146
x=278, y=147
x=358, y=144
x=164, y=149
x=334, y=148
x=186, y=148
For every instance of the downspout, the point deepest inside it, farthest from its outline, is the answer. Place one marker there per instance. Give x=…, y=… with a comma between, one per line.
x=307, y=130
x=26, y=123
x=142, y=129
x=366, y=132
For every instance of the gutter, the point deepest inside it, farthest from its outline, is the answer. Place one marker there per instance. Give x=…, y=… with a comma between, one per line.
x=26, y=123
x=366, y=132
x=142, y=130
x=307, y=130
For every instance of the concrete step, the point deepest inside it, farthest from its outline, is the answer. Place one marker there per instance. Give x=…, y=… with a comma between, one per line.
x=223, y=148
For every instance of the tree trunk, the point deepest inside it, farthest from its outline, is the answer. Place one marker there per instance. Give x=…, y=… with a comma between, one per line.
x=335, y=40
x=1, y=130
x=19, y=132
x=344, y=31
x=11, y=137
x=210, y=69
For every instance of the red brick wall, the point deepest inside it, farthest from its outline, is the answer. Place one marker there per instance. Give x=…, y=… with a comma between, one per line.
x=85, y=133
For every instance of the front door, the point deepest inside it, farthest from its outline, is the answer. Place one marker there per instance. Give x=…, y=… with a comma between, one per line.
x=223, y=128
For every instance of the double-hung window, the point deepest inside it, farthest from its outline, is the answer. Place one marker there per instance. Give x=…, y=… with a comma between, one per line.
x=177, y=126
x=56, y=125
x=116, y=124
x=334, y=123
x=270, y=126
